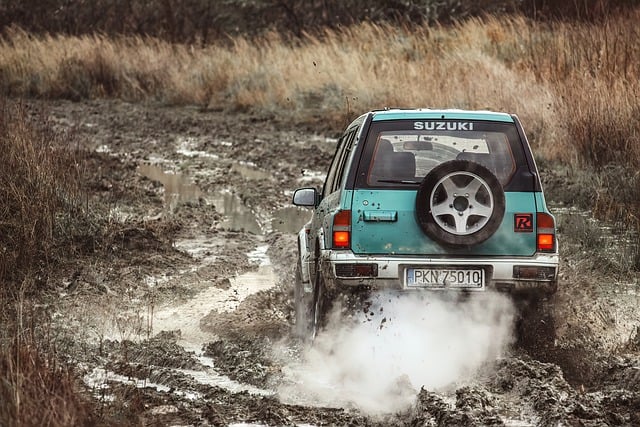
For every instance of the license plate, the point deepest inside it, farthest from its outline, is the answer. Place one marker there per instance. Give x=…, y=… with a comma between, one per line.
x=460, y=278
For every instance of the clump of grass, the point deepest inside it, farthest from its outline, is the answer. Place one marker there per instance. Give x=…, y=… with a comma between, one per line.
x=36, y=389
x=590, y=69
x=602, y=122
x=40, y=183
x=46, y=223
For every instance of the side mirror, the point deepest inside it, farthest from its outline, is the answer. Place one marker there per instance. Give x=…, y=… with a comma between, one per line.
x=305, y=197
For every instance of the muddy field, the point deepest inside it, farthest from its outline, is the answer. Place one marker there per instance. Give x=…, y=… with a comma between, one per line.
x=187, y=318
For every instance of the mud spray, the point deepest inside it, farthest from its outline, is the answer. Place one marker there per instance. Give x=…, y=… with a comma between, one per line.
x=379, y=360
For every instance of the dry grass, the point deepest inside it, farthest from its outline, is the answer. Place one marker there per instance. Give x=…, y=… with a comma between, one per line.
x=592, y=70
x=362, y=67
x=40, y=182
x=45, y=227
x=36, y=390
x=562, y=79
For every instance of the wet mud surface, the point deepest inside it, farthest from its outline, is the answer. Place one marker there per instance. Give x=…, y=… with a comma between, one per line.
x=189, y=319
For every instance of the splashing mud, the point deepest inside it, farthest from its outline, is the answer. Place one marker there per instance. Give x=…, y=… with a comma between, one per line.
x=381, y=359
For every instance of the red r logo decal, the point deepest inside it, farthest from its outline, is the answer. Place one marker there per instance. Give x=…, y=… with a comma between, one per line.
x=523, y=223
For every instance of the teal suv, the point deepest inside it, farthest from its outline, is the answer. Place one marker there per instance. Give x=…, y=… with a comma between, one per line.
x=423, y=199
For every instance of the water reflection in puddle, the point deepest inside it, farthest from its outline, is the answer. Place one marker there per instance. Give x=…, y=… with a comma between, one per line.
x=177, y=188
x=237, y=216
x=249, y=171
x=290, y=219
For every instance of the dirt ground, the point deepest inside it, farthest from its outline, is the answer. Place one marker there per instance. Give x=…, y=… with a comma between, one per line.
x=187, y=319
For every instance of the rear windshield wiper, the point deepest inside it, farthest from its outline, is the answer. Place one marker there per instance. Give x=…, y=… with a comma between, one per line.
x=398, y=181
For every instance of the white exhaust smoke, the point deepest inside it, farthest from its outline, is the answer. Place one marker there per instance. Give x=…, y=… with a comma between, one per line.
x=379, y=361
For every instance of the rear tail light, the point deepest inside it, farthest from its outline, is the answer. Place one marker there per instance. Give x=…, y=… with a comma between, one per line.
x=342, y=230
x=546, y=232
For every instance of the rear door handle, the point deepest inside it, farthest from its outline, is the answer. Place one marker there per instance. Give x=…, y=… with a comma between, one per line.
x=379, y=215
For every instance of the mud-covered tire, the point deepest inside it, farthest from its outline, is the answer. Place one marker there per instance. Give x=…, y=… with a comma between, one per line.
x=302, y=307
x=535, y=327
x=322, y=304
x=460, y=203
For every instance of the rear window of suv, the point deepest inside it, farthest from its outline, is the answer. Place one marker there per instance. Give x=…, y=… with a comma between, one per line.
x=403, y=152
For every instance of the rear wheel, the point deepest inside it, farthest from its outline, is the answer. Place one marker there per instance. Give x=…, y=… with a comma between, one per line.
x=302, y=306
x=321, y=306
x=535, y=326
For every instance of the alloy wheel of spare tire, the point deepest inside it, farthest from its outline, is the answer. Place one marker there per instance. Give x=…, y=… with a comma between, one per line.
x=460, y=203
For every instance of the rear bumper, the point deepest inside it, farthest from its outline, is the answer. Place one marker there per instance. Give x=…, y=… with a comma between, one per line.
x=501, y=274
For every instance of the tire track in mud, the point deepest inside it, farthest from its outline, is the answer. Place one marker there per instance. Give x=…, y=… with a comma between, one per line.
x=217, y=348
x=186, y=318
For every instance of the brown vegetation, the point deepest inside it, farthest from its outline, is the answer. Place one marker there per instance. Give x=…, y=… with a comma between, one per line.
x=573, y=84
x=204, y=21
x=48, y=225
x=40, y=182
x=36, y=389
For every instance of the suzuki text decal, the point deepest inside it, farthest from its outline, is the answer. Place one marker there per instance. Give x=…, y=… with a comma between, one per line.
x=443, y=125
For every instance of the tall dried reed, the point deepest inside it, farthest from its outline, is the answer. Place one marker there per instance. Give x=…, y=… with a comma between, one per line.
x=551, y=74
x=40, y=187
x=592, y=70
x=40, y=184
x=36, y=389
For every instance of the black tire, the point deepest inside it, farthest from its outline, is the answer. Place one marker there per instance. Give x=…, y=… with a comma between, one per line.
x=322, y=304
x=489, y=189
x=535, y=327
x=302, y=306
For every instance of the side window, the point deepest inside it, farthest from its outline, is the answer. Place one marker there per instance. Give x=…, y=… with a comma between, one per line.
x=331, y=174
x=342, y=166
x=336, y=170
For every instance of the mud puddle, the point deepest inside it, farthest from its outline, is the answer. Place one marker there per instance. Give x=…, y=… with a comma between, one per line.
x=178, y=189
x=290, y=220
x=249, y=170
x=237, y=216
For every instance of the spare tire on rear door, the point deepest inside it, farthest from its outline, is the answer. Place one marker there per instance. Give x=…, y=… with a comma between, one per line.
x=460, y=203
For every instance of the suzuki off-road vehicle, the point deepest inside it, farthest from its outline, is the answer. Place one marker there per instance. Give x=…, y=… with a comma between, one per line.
x=424, y=199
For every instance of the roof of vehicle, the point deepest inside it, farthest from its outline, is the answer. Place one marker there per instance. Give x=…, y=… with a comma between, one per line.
x=428, y=114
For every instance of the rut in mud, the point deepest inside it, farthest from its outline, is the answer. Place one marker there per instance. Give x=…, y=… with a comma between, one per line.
x=197, y=331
